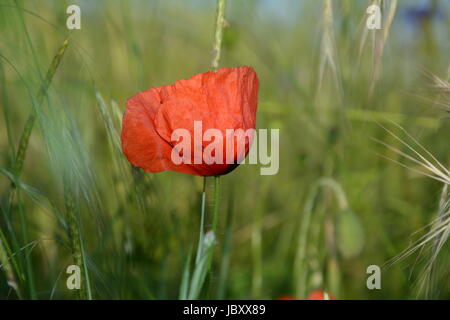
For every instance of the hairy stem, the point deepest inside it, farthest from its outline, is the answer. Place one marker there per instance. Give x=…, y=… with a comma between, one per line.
x=218, y=35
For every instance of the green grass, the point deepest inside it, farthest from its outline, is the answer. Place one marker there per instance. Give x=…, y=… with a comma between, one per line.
x=328, y=84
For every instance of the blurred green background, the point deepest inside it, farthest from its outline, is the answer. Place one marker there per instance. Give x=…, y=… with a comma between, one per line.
x=327, y=82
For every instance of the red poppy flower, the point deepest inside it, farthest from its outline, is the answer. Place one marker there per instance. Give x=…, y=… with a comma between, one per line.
x=319, y=295
x=223, y=100
x=286, y=298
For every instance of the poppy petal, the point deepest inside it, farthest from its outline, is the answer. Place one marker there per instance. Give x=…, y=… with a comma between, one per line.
x=222, y=100
x=141, y=143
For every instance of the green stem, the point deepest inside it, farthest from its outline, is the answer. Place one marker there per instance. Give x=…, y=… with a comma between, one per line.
x=216, y=202
x=202, y=223
x=218, y=35
x=256, y=257
x=300, y=258
x=25, y=137
x=26, y=133
x=76, y=242
x=226, y=249
x=5, y=260
x=27, y=257
x=217, y=48
x=73, y=234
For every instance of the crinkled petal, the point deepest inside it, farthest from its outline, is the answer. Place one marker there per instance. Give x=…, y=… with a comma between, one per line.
x=141, y=144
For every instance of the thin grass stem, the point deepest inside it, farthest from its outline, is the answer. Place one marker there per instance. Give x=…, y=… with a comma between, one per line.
x=76, y=243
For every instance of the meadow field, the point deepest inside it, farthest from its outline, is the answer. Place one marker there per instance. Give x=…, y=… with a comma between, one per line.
x=364, y=152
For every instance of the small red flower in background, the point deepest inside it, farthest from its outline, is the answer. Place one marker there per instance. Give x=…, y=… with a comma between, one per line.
x=314, y=295
x=286, y=298
x=319, y=295
x=226, y=99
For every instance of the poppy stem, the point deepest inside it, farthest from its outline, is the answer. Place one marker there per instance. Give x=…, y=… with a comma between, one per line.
x=217, y=46
x=206, y=241
x=218, y=35
x=202, y=223
x=216, y=201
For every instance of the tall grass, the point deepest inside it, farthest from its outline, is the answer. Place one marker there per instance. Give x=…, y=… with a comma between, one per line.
x=17, y=169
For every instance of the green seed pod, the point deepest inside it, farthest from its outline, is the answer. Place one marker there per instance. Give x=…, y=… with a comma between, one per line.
x=350, y=234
